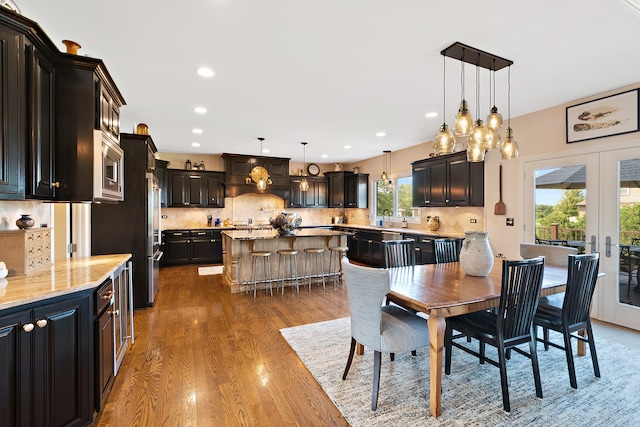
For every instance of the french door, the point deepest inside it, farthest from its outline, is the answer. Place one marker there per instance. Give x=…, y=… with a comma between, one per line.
x=588, y=201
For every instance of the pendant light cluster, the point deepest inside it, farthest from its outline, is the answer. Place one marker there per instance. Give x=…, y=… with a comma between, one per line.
x=480, y=137
x=386, y=165
x=259, y=174
x=304, y=184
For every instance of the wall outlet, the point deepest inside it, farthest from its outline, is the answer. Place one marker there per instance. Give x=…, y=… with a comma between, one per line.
x=165, y=216
x=473, y=221
x=510, y=222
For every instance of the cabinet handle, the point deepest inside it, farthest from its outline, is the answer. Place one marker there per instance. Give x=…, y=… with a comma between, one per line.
x=55, y=184
x=41, y=323
x=417, y=249
x=427, y=201
x=108, y=295
x=28, y=327
x=115, y=312
x=201, y=233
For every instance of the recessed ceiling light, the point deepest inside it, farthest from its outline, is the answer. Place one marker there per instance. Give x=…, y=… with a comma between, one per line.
x=266, y=150
x=197, y=131
x=205, y=72
x=200, y=110
x=324, y=156
x=347, y=147
x=431, y=115
x=381, y=133
x=195, y=144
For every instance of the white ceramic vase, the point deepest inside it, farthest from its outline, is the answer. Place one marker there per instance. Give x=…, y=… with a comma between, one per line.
x=476, y=257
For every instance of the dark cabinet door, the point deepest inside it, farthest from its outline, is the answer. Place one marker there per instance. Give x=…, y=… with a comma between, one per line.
x=356, y=187
x=178, y=247
x=315, y=197
x=297, y=198
x=161, y=174
x=105, y=355
x=322, y=193
x=438, y=183
x=419, y=184
x=214, y=189
x=458, y=183
x=201, y=247
x=336, y=190
x=196, y=191
x=15, y=370
x=40, y=85
x=12, y=185
x=177, y=186
x=216, y=247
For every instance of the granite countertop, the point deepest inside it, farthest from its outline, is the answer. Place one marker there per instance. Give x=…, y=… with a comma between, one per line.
x=401, y=230
x=273, y=234
x=61, y=278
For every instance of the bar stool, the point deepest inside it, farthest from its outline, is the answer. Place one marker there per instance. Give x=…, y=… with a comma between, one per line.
x=313, y=256
x=266, y=269
x=335, y=255
x=293, y=267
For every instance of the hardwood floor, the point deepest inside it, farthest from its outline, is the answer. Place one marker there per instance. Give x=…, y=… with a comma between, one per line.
x=203, y=356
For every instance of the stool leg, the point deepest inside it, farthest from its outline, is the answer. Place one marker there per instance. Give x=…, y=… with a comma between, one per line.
x=280, y=274
x=254, y=265
x=267, y=275
x=294, y=272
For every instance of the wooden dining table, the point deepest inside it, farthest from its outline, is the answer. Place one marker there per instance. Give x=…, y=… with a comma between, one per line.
x=445, y=290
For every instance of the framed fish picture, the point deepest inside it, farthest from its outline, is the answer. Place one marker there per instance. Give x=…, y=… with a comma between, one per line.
x=611, y=115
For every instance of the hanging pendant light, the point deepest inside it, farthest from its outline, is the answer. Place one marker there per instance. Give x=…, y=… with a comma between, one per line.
x=464, y=119
x=259, y=174
x=304, y=184
x=509, y=148
x=445, y=141
x=386, y=164
x=494, y=119
x=477, y=141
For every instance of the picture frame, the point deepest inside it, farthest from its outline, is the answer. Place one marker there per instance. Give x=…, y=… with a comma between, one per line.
x=611, y=115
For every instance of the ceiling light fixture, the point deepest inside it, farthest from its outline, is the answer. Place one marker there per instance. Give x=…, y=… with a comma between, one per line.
x=380, y=134
x=478, y=140
x=494, y=119
x=304, y=185
x=205, y=72
x=509, y=148
x=195, y=144
x=386, y=164
x=197, y=131
x=445, y=140
x=431, y=115
x=200, y=110
x=258, y=174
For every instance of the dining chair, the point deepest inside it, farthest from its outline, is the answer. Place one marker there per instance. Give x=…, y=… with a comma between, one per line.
x=384, y=329
x=630, y=262
x=574, y=314
x=553, y=255
x=446, y=250
x=510, y=327
x=399, y=253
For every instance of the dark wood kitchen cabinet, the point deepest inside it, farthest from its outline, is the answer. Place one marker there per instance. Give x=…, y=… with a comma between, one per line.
x=47, y=351
x=193, y=246
x=161, y=175
x=315, y=197
x=195, y=189
x=348, y=190
x=448, y=180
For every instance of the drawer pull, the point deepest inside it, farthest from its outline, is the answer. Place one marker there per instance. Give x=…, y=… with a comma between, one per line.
x=41, y=323
x=28, y=327
x=108, y=295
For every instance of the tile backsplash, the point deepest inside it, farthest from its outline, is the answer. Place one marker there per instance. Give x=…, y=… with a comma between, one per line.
x=11, y=210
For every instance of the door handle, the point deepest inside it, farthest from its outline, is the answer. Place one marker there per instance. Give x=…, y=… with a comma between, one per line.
x=607, y=246
x=593, y=244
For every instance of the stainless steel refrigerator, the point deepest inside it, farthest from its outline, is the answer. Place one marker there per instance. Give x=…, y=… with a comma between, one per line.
x=134, y=225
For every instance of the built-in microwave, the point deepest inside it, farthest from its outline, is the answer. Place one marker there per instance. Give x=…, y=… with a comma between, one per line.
x=108, y=169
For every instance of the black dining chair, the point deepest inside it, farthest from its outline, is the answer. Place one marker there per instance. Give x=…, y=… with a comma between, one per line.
x=446, y=250
x=399, y=253
x=574, y=314
x=510, y=327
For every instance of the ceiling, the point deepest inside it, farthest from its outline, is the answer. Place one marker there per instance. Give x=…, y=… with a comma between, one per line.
x=336, y=72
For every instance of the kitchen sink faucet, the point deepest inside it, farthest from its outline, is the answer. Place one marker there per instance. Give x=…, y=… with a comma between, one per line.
x=388, y=214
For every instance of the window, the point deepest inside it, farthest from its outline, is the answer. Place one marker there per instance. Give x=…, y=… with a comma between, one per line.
x=395, y=200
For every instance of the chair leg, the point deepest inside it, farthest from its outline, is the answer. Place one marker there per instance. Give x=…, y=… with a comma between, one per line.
x=352, y=350
x=545, y=337
x=392, y=356
x=482, y=346
x=535, y=366
x=503, y=377
x=592, y=349
x=414, y=353
x=377, y=358
x=448, y=333
x=569, y=353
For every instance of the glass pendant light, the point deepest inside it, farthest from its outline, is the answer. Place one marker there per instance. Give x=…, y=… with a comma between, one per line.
x=477, y=141
x=494, y=119
x=386, y=163
x=259, y=174
x=464, y=119
x=509, y=148
x=445, y=141
x=304, y=185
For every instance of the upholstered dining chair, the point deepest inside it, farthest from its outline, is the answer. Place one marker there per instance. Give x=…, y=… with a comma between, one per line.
x=399, y=253
x=384, y=329
x=574, y=314
x=510, y=327
x=446, y=250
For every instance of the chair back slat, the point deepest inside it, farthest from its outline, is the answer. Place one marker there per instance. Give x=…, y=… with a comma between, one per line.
x=581, y=283
x=399, y=253
x=521, y=285
x=446, y=250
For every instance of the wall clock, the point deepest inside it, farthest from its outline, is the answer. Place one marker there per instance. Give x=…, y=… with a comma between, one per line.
x=313, y=169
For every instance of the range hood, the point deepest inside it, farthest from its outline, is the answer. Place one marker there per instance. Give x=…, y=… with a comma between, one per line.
x=234, y=189
x=238, y=167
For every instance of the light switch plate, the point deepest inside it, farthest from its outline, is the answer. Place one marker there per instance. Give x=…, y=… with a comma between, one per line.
x=510, y=222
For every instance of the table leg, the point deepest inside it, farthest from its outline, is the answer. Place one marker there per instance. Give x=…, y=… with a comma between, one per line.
x=582, y=346
x=359, y=349
x=436, y=346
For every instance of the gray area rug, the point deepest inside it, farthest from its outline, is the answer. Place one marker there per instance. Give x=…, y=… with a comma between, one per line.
x=471, y=395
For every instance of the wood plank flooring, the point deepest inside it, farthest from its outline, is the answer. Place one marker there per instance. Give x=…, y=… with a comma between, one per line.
x=205, y=357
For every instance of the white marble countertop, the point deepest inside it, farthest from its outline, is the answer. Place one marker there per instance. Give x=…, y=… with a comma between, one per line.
x=61, y=278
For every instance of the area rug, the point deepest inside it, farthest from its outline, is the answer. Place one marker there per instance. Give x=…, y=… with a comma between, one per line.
x=206, y=271
x=471, y=395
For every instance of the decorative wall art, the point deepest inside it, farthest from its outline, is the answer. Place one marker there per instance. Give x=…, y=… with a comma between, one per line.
x=611, y=115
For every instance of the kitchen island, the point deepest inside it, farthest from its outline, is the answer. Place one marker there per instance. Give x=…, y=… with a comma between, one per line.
x=237, y=245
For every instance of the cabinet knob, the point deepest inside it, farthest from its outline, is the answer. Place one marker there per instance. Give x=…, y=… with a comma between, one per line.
x=447, y=201
x=115, y=312
x=417, y=249
x=41, y=323
x=55, y=184
x=28, y=327
x=427, y=201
